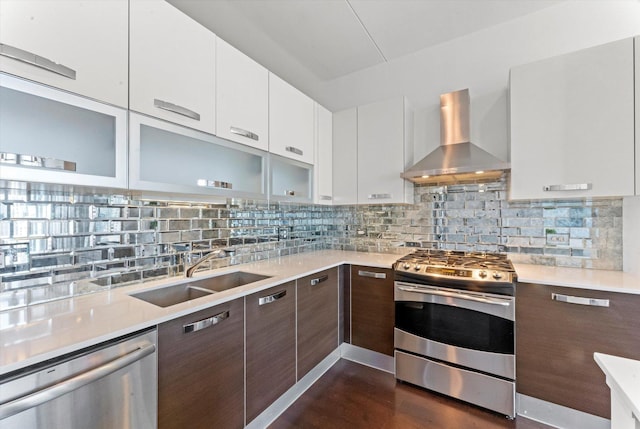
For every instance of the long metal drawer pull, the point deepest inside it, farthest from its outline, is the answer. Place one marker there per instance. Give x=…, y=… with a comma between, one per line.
x=18, y=405
x=244, y=133
x=570, y=187
x=36, y=60
x=580, y=300
x=372, y=274
x=293, y=149
x=319, y=280
x=214, y=184
x=494, y=301
x=379, y=196
x=271, y=298
x=165, y=105
x=36, y=161
x=205, y=323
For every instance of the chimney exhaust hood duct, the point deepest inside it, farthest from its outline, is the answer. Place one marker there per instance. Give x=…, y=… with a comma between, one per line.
x=456, y=159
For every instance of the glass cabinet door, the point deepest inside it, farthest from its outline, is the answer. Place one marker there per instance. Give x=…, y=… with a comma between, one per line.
x=169, y=158
x=51, y=136
x=290, y=180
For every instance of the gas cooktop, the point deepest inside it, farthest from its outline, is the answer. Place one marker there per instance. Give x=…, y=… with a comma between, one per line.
x=476, y=266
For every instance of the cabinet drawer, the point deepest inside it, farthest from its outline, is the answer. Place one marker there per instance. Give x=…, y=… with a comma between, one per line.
x=555, y=342
x=271, y=347
x=372, y=309
x=317, y=318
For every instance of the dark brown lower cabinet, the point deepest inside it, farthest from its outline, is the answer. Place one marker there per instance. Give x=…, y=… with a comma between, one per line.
x=271, y=346
x=201, y=369
x=555, y=342
x=317, y=333
x=372, y=308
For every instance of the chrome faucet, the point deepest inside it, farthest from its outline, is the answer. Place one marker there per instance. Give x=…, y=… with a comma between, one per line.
x=219, y=253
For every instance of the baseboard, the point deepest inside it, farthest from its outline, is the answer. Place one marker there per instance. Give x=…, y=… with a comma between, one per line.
x=556, y=415
x=269, y=415
x=368, y=357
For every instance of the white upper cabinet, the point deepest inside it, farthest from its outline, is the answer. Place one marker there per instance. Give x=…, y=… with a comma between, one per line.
x=572, y=124
x=290, y=121
x=242, y=91
x=345, y=157
x=172, y=62
x=324, y=156
x=78, y=46
x=385, y=149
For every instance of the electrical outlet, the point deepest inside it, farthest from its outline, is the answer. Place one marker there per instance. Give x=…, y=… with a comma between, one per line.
x=555, y=239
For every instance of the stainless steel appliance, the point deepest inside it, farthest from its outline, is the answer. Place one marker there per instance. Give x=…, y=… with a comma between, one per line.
x=455, y=324
x=110, y=386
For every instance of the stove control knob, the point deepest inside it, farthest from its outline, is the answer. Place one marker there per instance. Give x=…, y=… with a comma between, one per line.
x=496, y=275
x=417, y=267
x=482, y=274
x=406, y=266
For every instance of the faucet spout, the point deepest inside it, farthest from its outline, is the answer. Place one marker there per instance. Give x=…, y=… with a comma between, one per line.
x=219, y=253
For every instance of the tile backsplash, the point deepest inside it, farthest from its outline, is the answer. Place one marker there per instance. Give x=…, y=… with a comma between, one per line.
x=58, y=244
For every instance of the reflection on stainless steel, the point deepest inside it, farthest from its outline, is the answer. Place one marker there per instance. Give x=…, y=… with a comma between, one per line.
x=218, y=253
x=488, y=392
x=114, y=385
x=36, y=161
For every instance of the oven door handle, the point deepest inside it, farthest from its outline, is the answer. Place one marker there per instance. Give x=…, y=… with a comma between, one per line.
x=494, y=301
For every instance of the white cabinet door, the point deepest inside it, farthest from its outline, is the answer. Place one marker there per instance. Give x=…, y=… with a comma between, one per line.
x=242, y=91
x=345, y=157
x=572, y=125
x=79, y=46
x=324, y=156
x=172, y=61
x=53, y=136
x=637, y=83
x=290, y=121
x=384, y=150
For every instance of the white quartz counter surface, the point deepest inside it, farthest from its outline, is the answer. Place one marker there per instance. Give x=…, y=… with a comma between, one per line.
x=623, y=378
x=44, y=331
x=611, y=281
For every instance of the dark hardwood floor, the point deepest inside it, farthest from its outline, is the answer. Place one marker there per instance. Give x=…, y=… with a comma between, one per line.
x=355, y=396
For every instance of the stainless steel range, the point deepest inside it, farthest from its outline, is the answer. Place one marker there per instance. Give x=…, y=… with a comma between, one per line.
x=455, y=324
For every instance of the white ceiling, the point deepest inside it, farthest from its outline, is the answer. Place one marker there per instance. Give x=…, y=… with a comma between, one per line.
x=309, y=42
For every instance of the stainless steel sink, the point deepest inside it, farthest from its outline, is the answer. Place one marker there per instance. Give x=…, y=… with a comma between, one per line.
x=171, y=295
x=228, y=281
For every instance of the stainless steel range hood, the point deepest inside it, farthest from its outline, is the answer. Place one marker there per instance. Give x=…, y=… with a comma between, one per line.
x=456, y=159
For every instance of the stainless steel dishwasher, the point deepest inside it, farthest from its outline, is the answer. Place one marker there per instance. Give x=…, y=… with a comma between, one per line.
x=113, y=385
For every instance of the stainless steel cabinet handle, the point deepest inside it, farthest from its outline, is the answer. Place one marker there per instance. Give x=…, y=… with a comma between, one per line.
x=18, y=405
x=214, y=184
x=290, y=193
x=293, y=149
x=580, y=300
x=244, y=133
x=326, y=197
x=372, y=274
x=495, y=301
x=205, y=323
x=271, y=298
x=570, y=187
x=36, y=60
x=379, y=196
x=165, y=105
x=319, y=280
x=36, y=161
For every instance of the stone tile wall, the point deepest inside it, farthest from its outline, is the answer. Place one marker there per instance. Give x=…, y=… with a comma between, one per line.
x=58, y=244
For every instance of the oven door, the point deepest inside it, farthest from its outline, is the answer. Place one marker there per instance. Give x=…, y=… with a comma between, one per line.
x=469, y=329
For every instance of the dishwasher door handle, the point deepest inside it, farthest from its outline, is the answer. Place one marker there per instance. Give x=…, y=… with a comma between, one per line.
x=32, y=400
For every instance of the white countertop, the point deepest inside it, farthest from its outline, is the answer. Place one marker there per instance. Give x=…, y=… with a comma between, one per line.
x=34, y=334
x=623, y=377
x=40, y=332
x=610, y=281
